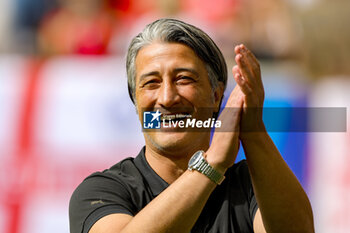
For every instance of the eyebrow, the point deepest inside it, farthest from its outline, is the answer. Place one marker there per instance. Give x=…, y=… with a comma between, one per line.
x=176, y=70
x=181, y=69
x=156, y=73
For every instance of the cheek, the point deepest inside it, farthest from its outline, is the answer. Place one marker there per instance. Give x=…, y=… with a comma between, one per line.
x=142, y=101
x=145, y=98
x=188, y=92
x=201, y=97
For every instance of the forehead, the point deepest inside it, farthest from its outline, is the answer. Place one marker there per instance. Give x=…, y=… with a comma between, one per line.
x=161, y=55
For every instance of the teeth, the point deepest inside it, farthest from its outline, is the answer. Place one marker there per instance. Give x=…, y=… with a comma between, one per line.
x=177, y=116
x=168, y=117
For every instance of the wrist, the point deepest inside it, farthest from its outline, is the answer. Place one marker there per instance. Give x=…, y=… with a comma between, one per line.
x=254, y=138
x=254, y=134
x=199, y=163
x=215, y=162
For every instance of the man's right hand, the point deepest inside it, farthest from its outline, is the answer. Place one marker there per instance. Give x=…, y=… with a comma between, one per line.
x=247, y=95
x=223, y=150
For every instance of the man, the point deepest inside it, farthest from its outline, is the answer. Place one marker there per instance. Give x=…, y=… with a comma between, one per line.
x=179, y=183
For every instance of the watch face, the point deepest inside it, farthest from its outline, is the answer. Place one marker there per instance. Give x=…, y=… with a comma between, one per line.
x=195, y=158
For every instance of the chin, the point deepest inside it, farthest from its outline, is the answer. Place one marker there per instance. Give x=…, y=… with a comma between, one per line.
x=171, y=141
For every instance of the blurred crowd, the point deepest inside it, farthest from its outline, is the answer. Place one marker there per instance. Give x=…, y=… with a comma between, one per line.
x=58, y=116
x=314, y=31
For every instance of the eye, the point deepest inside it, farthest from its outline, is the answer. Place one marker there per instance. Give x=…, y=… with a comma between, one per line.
x=151, y=83
x=183, y=80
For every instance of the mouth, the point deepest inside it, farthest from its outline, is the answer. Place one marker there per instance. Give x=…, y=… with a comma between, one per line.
x=180, y=120
x=175, y=116
x=174, y=121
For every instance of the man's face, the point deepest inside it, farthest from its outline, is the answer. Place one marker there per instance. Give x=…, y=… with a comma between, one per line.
x=170, y=77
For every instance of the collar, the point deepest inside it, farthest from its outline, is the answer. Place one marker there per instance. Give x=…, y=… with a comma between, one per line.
x=155, y=182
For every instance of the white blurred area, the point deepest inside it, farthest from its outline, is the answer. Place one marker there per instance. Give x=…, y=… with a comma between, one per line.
x=81, y=121
x=65, y=110
x=330, y=161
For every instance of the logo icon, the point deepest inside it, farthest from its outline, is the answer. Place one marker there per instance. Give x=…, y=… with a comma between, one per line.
x=151, y=120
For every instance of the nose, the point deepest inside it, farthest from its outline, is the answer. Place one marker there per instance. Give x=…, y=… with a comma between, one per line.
x=168, y=95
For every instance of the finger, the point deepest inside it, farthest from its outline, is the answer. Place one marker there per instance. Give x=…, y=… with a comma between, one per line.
x=230, y=116
x=249, y=55
x=241, y=81
x=235, y=70
x=244, y=68
x=250, y=59
x=254, y=63
x=243, y=84
x=246, y=55
x=236, y=98
x=237, y=75
x=237, y=48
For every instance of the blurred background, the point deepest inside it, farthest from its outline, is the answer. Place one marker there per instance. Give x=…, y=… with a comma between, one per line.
x=65, y=110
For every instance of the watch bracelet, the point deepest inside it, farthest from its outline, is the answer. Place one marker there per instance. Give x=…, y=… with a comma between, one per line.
x=210, y=172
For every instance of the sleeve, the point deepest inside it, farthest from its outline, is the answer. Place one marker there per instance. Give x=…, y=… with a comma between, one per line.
x=253, y=206
x=96, y=197
x=248, y=189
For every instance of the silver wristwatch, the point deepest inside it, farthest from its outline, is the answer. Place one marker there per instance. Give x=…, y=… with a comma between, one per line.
x=199, y=163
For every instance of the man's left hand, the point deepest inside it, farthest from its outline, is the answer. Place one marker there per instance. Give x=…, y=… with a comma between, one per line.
x=247, y=74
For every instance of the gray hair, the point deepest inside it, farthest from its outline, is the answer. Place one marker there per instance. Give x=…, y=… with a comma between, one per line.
x=172, y=30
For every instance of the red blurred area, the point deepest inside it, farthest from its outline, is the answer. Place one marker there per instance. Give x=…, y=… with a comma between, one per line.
x=71, y=119
x=78, y=27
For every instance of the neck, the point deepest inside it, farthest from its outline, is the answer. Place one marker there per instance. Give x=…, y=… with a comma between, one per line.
x=170, y=165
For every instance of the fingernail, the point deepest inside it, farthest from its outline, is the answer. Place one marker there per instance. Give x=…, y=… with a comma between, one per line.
x=238, y=77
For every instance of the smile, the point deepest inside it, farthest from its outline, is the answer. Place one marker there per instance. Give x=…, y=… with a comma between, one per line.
x=175, y=116
x=191, y=123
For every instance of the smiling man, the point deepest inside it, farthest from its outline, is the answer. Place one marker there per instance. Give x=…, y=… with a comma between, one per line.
x=180, y=182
